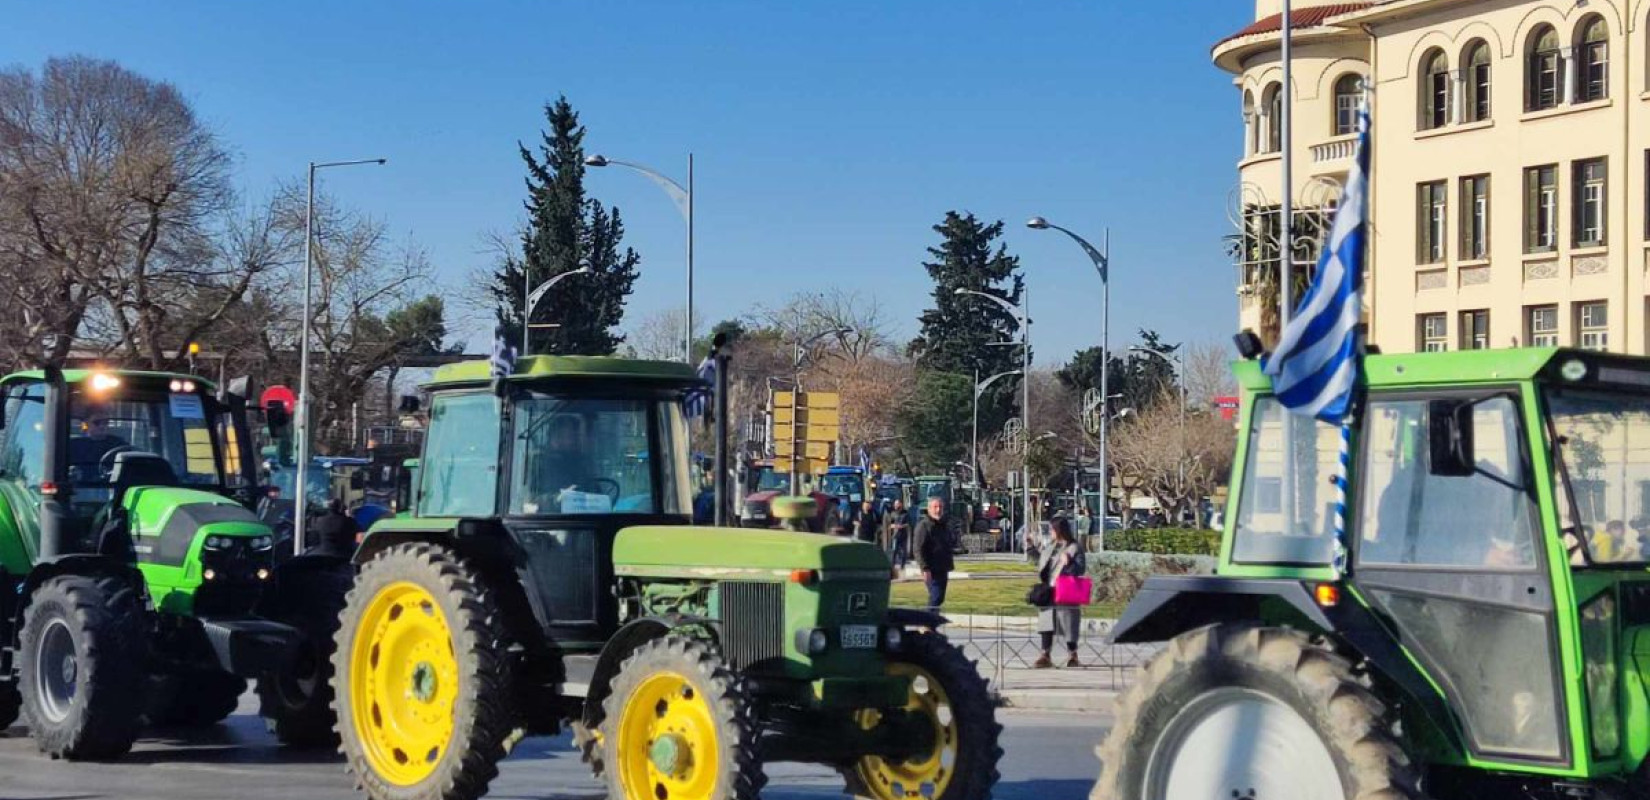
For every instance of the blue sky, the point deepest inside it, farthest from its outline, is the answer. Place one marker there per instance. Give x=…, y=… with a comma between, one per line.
x=828, y=137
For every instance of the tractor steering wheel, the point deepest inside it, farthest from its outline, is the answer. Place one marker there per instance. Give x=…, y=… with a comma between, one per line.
x=609, y=487
x=106, y=464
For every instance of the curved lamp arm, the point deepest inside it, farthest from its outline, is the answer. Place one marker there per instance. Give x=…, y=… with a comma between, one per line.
x=672, y=188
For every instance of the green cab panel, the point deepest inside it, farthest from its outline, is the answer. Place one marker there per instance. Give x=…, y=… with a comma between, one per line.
x=737, y=552
x=19, y=526
x=170, y=526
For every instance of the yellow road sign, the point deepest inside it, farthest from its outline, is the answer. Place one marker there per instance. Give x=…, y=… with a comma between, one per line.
x=807, y=466
x=787, y=448
x=811, y=433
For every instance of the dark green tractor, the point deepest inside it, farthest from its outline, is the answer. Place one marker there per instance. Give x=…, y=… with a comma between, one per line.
x=137, y=586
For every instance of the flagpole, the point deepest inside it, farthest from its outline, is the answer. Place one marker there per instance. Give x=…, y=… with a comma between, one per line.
x=1286, y=247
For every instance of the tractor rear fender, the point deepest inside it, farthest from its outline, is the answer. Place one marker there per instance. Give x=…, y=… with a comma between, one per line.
x=1168, y=606
x=78, y=564
x=633, y=635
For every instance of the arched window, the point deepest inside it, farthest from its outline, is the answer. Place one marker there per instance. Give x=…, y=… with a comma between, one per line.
x=1273, y=98
x=1251, y=125
x=1476, y=62
x=1593, y=55
x=1349, y=93
x=1434, y=90
x=1541, y=70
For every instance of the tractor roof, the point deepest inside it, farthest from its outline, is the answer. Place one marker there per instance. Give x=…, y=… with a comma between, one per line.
x=572, y=367
x=73, y=376
x=1431, y=369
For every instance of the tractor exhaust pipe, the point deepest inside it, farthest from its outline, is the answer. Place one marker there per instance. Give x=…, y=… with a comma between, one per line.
x=56, y=524
x=720, y=354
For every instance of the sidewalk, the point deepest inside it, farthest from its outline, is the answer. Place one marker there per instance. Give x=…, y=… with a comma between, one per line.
x=1004, y=648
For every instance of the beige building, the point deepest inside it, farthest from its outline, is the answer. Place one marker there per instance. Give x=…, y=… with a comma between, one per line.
x=1511, y=141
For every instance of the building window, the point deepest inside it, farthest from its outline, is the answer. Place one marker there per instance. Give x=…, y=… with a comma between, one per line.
x=1593, y=51
x=1541, y=209
x=1541, y=326
x=1475, y=330
x=1541, y=70
x=1589, y=202
x=1273, y=98
x=1349, y=94
x=1475, y=217
x=1251, y=125
x=1431, y=211
x=1435, y=90
x=1433, y=333
x=1592, y=326
x=1478, y=81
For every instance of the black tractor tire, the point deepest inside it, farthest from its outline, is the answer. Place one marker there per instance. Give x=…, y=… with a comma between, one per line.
x=482, y=716
x=974, y=764
x=707, y=680
x=11, y=703
x=200, y=698
x=296, y=701
x=89, y=703
x=1278, y=665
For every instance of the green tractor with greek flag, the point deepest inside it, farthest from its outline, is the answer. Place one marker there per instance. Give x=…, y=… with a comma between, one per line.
x=548, y=578
x=136, y=585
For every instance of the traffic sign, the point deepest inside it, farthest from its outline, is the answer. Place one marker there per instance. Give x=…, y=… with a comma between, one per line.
x=278, y=394
x=807, y=466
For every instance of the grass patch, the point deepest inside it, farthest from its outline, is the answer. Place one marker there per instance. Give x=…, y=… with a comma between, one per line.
x=1005, y=596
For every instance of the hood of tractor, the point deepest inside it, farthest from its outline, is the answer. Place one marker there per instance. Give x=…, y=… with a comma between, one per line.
x=736, y=552
x=153, y=509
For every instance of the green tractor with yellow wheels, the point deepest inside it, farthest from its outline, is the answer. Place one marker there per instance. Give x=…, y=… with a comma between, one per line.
x=1479, y=629
x=548, y=578
x=136, y=586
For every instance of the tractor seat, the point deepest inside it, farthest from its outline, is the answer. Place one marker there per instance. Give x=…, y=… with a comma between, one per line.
x=137, y=468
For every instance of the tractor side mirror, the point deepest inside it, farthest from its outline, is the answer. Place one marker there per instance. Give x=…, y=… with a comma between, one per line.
x=239, y=388
x=1449, y=436
x=409, y=404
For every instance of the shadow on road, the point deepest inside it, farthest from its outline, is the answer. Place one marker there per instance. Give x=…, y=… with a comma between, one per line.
x=1042, y=789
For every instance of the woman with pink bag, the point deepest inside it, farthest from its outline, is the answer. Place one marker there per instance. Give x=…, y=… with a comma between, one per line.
x=1062, y=566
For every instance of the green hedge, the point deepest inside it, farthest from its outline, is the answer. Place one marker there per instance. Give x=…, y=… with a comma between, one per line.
x=1118, y=576
x=1165, y=541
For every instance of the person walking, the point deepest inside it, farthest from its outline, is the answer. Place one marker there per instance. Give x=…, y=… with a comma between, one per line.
x=868, y=525
x=1060, y=555
x=899, y=535
x=931, y=545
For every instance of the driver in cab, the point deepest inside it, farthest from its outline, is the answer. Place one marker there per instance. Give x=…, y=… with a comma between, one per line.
x=88, y=449
x=564, y=478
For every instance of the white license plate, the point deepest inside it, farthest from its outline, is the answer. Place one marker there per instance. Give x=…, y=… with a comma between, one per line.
x=859, y=637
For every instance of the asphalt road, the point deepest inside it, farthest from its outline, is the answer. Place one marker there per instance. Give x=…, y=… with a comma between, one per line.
x=1048, y=757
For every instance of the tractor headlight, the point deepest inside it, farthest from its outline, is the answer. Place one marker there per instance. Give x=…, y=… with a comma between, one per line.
x=263, y=542
x=892, y=638
x=209, y=573
x=263, y=574
x=813, y=641
x=216, y=543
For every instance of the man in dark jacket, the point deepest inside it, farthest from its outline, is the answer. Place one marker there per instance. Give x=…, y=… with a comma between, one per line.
x=869, y=524
x=931, y=544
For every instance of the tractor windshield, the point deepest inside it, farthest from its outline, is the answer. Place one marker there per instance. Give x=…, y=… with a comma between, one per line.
x=849, y=486
x=1602, y=441
x=591, y=455
x=176, y=426
x=767, y=480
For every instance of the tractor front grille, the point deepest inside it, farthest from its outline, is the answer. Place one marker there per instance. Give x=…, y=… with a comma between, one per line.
x=753, y=622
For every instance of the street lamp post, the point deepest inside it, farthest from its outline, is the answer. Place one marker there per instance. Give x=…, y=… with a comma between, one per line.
x=979, y=389
x=684, y=204
x=530, y=300
x=302, y=484
x=1102, y=264
x=1018, y=312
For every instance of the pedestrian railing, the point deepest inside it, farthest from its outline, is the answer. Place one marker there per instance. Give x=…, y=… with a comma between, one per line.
x=1005, y=647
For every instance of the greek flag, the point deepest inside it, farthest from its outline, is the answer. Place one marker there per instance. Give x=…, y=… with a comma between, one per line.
x=1315, y=366
x=865, y=459
x=503, y=359
x=697, y=400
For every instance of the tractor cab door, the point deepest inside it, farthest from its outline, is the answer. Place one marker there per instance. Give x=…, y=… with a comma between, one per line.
x=22, y=465
x=1448, y=554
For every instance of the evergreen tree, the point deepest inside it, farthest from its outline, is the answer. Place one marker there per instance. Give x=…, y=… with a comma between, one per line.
x=566, y=231
x=958, y=330
x=1139, y=377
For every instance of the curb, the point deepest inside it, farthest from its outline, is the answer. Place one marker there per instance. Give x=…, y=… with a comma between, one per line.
x=1066, y=701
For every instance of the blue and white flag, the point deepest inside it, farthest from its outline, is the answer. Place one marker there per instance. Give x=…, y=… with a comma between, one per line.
x=1315, y=366
x=503, y=359
x=697, y=400
x=865, y=459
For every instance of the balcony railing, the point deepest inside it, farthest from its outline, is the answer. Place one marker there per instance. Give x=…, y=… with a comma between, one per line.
x=1338, y=149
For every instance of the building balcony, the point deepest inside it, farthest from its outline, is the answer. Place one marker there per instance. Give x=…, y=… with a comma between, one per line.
x=1334, y=154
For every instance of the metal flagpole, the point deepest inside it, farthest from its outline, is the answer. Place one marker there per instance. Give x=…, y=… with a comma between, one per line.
x=1286, y=248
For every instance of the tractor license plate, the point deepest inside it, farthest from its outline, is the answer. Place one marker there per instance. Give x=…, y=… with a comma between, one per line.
x=859, y=637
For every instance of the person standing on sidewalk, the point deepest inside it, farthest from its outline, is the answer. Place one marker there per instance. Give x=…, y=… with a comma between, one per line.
x=899, y=535
x=1060, y=555
x=931, y=545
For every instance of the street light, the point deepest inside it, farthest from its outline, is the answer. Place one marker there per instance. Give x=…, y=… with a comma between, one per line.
x=531, y=300
x=1102, y=265
x=979, y=389
x=684, y=204
x=1018, y=312
x=302, y=485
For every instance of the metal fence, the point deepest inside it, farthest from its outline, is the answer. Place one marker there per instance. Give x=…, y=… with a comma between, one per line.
x=1005, y=648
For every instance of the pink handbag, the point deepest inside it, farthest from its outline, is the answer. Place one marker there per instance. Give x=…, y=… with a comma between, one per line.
x=1071, y=590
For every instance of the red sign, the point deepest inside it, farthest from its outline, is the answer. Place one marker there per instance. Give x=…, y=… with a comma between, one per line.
x=1228, y=407
x=278, y=395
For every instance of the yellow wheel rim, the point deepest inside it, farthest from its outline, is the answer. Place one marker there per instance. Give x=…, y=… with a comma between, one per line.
x=925, y=776
x=667, y=747
x=403, y=681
